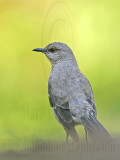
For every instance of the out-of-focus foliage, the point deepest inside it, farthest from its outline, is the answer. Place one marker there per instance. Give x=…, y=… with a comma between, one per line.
x=90, y=28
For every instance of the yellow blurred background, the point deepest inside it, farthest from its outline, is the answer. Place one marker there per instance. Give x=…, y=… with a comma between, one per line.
x=90, y=28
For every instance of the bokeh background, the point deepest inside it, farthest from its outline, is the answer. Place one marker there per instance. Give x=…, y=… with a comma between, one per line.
x=90, y=28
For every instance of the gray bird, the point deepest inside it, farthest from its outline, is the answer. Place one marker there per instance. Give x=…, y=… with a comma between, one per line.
x=70, y=94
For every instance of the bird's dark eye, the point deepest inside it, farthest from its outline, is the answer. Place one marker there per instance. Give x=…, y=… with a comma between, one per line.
x=52, y=50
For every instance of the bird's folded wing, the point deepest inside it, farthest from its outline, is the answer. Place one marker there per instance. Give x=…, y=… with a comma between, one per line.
x=60, y=110
x=64, y=114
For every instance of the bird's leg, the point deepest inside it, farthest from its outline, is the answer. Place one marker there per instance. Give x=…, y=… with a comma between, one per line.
x=67, y=135
x=86, y=136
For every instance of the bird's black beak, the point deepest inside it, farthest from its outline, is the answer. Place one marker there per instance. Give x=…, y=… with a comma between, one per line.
x=39, y=50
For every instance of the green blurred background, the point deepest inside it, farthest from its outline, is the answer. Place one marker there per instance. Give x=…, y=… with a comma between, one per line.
x=91, y=28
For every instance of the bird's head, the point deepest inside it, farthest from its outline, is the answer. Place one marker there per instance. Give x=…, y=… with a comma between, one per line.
x=56, y=51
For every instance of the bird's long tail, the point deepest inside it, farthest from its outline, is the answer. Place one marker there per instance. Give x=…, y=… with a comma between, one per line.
x=74, y=135
x=96, y=131
x=72, y=132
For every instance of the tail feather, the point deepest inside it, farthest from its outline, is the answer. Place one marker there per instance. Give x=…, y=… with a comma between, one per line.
x=73, y=134
x=94, y=128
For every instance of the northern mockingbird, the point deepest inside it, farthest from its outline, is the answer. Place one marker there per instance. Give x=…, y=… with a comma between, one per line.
x=70, y=94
